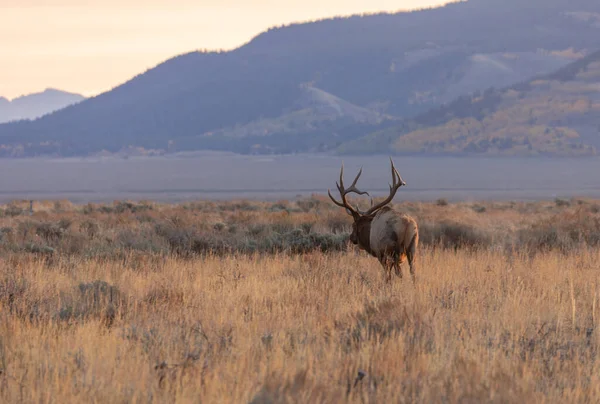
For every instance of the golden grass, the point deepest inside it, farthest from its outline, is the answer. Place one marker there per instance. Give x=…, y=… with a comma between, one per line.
x=478, y=326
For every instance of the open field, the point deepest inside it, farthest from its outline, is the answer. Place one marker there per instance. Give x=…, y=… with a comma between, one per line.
x=265, y=302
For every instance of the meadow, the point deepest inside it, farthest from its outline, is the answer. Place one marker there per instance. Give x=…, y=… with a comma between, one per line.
x=266, y=302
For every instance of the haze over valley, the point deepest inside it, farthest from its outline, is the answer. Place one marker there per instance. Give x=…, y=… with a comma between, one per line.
x=225, y=176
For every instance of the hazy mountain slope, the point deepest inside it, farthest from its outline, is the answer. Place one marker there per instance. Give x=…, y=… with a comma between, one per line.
x=556, y=114
x=399, y=64
x=318, y=122
x=394, y=58
x=33, y=106
x=185, y=96
x=503, y=69
x=4, y=105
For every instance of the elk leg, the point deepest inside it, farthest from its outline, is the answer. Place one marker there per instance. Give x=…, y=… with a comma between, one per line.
x=387, y=267
x=411, y=266
x=398, y=266
x=410, y=254
x=412, y=272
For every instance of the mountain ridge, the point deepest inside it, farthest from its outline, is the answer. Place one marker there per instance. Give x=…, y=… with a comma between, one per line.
x=35, y=105
x=397, y=64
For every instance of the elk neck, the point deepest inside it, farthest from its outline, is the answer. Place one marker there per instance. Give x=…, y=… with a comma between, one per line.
x=363, y=229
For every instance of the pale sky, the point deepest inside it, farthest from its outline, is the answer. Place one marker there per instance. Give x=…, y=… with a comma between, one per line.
x=91, y=46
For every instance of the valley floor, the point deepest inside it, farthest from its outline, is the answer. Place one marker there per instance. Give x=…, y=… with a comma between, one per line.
x=224, y=176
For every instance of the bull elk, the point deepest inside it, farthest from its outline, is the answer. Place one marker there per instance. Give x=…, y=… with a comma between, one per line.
x=382, y=231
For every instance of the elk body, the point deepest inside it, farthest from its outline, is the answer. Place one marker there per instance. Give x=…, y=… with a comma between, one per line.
x=383, y=232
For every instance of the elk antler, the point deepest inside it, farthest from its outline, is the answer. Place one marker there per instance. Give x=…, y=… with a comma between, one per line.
x=397, y=183
x=343, y=192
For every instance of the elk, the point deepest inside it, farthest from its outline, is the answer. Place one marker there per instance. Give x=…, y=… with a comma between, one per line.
x=382, y=231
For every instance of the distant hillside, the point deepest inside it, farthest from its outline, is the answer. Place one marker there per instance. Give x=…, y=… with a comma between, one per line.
x=318, y=121
x=393, y=66
x=554, y=114
x=33, y=106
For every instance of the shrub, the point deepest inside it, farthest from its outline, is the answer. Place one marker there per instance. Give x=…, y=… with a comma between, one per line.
x=307, y=227
x=279, y=207
x=144, y=240
x=106, y=209
x=244, y=206
x=441, y=202
x=12, y=290
x=90, y=227
x=306, y=205
x=42, y=250
x=255, y=230
x=450, y=234
x=219, y=226
x=51, y=231
x=179, y=239
x=5, y=232
x=479, y=208
x=121, y=207
x=13, y=210
x=16, y=297
x=338, y=223
x=97, y=299
x=88, y=209
x=296, y=242
x=161, y=294
x=205, y=244
x=562, y=232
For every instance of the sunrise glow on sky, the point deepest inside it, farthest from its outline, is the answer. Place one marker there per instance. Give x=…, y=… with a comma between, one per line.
x=89, y=46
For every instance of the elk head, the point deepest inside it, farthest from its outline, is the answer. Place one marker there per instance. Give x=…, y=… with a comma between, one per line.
x=361, y=227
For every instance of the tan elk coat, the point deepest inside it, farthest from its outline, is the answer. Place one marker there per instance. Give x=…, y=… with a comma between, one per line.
x=393, y=234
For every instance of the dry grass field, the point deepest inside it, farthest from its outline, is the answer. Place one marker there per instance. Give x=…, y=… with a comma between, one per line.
x=248, y=302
